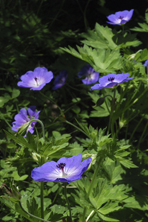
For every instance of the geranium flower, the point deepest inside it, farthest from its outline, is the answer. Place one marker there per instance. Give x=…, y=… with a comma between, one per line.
x=64, y=170
x=111, y=80
x=120, y=17
x=37, y=79
x=22, y=118
x=91, y=75
x=60, y=79
x=145, y=64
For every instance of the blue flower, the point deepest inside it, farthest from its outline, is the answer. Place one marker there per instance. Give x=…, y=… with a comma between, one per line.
x=145, y=64
x=91, y=75
x=120, y=17
x=64, y=170
x=111, y=80
x=37, y=79
x=60, y=80
x=22, y=118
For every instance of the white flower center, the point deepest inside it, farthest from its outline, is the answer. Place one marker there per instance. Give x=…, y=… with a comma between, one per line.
x=61, y=167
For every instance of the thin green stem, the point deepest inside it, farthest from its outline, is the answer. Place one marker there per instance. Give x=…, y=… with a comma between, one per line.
x=91, y=213
x=65, y=192
x=42, y=125
x=85, y=19
x=6, y=121
x=77, y=127
x=42, y=194
x=92, y=184
x=142, y=134
x=42, y=200
x=130, y=102
x=136, y=128
x=32, y=214
x=123, y=29
x=52, y=102
x=57, y=14
x=111, y=122
x=106, y=102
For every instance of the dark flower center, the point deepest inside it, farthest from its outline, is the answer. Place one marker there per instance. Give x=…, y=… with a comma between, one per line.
x=61, y=165
x=111, y=79
x=121, y=17
x=62, y=80
x=36, y=79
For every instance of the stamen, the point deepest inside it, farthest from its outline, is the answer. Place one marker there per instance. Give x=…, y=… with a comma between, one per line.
x=121, y=17
x=111, y=79
x=36, y=79
x=61, y=165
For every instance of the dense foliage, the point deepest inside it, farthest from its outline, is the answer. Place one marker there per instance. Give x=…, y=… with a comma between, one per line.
x=72, y=112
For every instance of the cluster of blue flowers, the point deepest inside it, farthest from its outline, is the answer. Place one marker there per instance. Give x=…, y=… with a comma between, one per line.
x=66, y=169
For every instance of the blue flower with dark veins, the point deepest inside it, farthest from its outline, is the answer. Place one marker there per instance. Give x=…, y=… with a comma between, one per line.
x=120, y=17
x=111, y=80
x=37, y=79
x=90, y=74
x=60, y=80
x=64, y=170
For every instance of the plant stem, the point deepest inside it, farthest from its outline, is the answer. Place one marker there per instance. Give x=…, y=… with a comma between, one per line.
x=92, y=184
x=77, y=128
x=52, y=102
x=42, y=125
x=32, y=214
x=140, y=140
x=42, y=194
x=42, y=200
x=65, y=191
x=91, y=213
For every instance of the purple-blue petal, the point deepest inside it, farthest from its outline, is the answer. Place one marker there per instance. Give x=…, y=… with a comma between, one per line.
x=91, y=75
x=111, y=80
x=52, y=171
x=145, y=63
x=22, y=118
x=35, y=80
x=60, y=79
x=120, y=17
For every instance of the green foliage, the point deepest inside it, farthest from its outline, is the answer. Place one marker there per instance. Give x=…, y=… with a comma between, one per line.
x=143, y=26
x=108, y=125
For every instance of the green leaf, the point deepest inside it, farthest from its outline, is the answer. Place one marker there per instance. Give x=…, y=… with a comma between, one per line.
x=18, y=139
x=101, y=38
x=94, y=96
x=72, y=52
x=127, y=163
x=136, y=203
x=100, y=111
x=144, y=28
x=142, y=55
x=113, y=170
x=104, y=218
x=15, y=93
x=17, y=177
